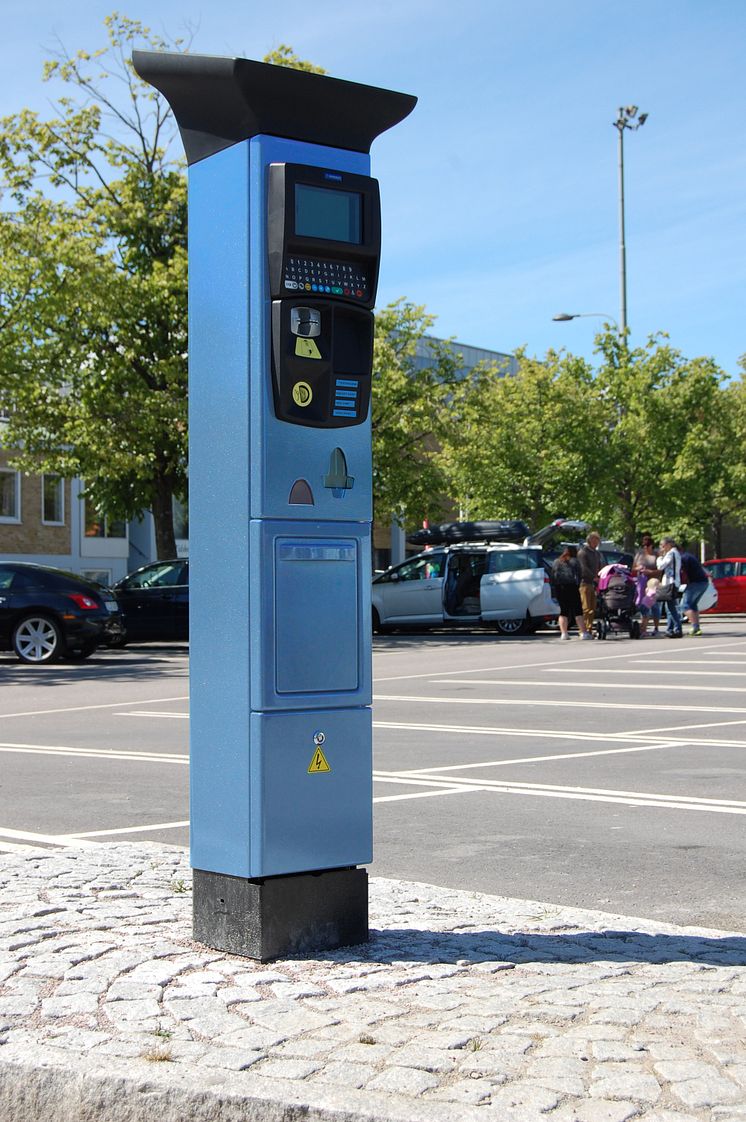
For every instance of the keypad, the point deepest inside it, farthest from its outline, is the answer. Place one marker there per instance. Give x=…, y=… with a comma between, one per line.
x=333, y=278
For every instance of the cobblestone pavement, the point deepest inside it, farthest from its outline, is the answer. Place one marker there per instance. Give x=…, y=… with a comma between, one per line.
x=462, y=1006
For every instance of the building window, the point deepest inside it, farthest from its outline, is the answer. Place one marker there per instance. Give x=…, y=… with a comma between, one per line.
x=98, y=525
x=53, y=500
x=10, y=496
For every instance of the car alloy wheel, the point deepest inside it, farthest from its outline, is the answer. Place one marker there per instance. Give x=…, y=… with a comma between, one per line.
x=511, y=626
x=37, y=639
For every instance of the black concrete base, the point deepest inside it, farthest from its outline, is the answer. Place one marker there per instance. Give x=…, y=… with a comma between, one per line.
x=273, y=917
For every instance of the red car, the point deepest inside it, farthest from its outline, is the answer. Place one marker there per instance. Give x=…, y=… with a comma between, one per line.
x=729, y=576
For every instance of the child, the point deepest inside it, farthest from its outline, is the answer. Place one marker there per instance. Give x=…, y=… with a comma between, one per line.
x=647, y=604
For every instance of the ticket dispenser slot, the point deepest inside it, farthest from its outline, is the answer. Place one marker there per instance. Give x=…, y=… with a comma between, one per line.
x=324, y=237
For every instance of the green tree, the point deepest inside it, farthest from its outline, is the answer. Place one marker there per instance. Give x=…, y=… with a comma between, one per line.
x=93, y=283
x=634, y=443
x=526, y=446
x=412, y=411
x=96, y=364
x=658, y=413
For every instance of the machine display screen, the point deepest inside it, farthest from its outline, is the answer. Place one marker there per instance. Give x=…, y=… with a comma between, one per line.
x=332, y=215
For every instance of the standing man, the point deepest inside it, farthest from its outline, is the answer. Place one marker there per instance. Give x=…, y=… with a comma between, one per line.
x=696, y=586
x=589, y=560
x=669, y=562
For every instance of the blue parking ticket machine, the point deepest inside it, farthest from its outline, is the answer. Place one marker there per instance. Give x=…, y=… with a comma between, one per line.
x=284, y=245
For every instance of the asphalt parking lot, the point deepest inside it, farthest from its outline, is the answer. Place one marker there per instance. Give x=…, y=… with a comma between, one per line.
x=604, y=775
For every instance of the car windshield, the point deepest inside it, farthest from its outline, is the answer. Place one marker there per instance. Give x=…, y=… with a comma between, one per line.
x=155, y=576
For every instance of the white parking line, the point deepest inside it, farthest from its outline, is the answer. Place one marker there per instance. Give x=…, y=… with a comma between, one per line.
x=639, y=707
x=144, y=713
x=505, y=682
x=132, y=829
x=86, y=708
x=424, y=794
x=95, y=753
x=582, y=659
x=50, y=839
x=685, y=728
x=644, y=736
x=597, y=794
x=659, y=670
x=450, y=729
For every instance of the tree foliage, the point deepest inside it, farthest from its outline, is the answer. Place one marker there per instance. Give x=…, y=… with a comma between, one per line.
x=638, y=442
x=96, y=363
x=413, y=401
x=93, y=282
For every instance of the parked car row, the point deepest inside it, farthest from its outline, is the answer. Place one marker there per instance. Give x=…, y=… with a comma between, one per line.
x=47, y=614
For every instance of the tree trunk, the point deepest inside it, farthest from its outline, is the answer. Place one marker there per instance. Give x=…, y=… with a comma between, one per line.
x=163, y=519
x=717, y=534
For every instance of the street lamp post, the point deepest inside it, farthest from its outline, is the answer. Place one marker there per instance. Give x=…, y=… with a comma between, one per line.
x=628, y=119
x=563, y=317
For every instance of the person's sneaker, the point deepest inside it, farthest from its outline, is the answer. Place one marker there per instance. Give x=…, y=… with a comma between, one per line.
x=565, y=636
x=694, y=631
x=673, y=634
x=586, y=635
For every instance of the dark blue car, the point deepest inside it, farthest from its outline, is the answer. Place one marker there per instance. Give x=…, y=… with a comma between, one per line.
x=47, y=614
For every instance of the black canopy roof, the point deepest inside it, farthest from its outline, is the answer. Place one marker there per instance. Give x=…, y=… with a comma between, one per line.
x=220, y=101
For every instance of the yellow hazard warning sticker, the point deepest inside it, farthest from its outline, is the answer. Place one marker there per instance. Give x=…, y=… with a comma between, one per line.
x=306, y=348
x=302, y=394
x=318, y=763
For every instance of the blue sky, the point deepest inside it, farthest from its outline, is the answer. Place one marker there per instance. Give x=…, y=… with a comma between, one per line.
x=500, y=202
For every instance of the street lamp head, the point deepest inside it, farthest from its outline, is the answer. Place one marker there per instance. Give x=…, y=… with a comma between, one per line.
x=642, y=118
x=631, y=110
x=562, y=317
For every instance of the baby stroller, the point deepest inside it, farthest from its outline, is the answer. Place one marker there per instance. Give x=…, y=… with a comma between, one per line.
x=615, y=608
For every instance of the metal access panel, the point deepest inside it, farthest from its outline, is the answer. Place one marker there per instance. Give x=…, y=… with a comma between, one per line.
x=311, y=583
x=311, y=798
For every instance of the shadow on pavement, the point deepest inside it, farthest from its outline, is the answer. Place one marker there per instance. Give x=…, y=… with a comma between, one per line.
x=461, y=948
x=141, y=664
x=401, y=640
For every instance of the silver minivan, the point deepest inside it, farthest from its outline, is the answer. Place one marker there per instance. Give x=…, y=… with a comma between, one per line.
x=502, y=584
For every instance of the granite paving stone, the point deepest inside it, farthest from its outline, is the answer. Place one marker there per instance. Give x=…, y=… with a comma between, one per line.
x=461, y=1007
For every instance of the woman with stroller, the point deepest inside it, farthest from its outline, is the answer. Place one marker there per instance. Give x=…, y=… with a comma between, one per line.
x=643, y=567
x=566, y=590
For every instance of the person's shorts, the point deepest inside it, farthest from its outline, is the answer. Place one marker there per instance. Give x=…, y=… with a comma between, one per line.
x=568, y=598
x=693, y=593
x=654, y=610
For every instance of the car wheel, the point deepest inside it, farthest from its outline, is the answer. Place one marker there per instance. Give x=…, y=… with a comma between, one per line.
x=38, y=640
x=512, y=626
x=376, y=622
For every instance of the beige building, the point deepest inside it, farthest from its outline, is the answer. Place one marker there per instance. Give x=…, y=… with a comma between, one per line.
x=44, y=519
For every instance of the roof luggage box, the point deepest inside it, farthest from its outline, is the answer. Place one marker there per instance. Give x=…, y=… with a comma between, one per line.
x=450, y=533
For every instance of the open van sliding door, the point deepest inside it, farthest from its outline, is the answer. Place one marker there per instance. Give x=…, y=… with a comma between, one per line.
x=513, y=583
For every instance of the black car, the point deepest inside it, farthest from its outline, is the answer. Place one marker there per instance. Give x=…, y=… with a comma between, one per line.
x=154, y=602
x=47, y=614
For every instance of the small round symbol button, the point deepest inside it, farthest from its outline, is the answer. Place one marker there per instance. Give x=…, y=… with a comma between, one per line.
x=302, y=394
